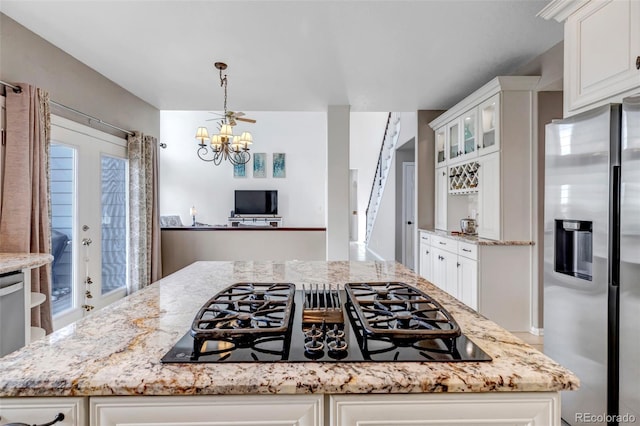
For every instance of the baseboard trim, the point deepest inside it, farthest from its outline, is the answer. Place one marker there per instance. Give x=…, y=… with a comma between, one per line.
x=537, y=331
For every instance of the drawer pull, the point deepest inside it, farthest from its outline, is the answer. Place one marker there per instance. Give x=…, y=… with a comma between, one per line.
x=638, y=63
x=440, y=242
x=58, y=418
x=467, y=250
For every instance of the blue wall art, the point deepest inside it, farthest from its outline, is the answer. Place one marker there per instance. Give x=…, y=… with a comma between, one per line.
x=260, y=165
x=239, y=171
x=279, y=165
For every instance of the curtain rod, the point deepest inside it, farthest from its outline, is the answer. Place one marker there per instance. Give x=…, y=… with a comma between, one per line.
x=17, y=89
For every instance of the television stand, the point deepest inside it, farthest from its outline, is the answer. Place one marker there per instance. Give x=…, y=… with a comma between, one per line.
x=257, y=221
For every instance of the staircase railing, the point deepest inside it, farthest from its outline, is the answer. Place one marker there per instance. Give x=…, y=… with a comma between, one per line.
x=380, y=175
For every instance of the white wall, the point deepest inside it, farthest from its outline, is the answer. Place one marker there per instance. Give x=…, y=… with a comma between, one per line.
x=338, y=214
x=367, y=130
x=185, y=180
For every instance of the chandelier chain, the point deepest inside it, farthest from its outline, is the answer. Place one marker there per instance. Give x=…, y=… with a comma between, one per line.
x=223, y=84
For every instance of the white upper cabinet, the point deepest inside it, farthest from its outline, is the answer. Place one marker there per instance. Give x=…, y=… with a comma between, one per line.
x=453, y=137
x=489, y=111
x=601, y=51
x=466, y=133
x=469, y=123
x=489, y=135
x=441, y=147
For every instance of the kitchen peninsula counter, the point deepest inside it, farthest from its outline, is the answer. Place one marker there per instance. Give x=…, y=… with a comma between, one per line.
x=117, y=350
x=105, y=369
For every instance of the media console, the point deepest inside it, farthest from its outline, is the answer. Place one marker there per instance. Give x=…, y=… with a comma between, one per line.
x=260, y=220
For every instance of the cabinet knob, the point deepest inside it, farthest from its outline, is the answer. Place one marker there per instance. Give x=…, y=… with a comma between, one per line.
x=478, y=146
x=427, y=251
x=457, y=264
x=443, y=173
x=638, y=63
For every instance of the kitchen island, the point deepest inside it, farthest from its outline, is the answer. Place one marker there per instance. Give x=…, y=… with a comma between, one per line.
x=105, y=368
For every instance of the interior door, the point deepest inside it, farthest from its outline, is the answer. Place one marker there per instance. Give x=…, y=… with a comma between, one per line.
x=409, y=224
x=88, y=219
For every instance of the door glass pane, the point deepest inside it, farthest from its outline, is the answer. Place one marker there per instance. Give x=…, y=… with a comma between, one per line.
x=489, y=125
x=469, y=133
x=62, y=165
x=114, y=223
x=440, y=150
x=453, y=141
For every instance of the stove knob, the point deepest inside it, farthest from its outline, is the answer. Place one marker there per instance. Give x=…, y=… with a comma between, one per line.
x=314, y=333
x=314, y=345
x=336, y=333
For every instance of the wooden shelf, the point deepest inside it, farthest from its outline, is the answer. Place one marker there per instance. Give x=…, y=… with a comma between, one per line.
x=37, y=333
x=37, y=299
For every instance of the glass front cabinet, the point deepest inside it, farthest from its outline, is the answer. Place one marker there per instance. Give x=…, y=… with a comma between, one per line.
x=489, y=140
x=453, y=136
x=441, y=147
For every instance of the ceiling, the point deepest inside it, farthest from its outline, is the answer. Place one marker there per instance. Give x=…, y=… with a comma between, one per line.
x=394, y=55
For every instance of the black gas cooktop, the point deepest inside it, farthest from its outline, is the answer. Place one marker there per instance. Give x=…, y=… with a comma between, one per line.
x=366, y=322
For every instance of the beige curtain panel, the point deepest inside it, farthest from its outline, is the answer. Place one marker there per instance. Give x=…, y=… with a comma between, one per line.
x=25, y=207
x=144, y=218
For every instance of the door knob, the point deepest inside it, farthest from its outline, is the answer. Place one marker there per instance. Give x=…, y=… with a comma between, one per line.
x=86, y=241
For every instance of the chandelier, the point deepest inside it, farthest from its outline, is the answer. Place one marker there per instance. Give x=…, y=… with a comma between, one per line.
x=224, y=145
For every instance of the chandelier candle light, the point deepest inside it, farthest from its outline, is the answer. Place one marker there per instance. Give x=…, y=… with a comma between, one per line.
x=225, y=145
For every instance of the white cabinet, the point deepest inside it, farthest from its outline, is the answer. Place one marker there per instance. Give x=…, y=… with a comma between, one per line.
x=496, y=121
x=445, y=270
x=442, y=185
x=453, y=141
x=44, y=410
x=426, y=263
x=601, y=51
x=512, y=408
x=242, y=410
x=489, y=132
x=441, y=147
x=468, y=281
x=445, y=264
x=484, y=276
x=489, y=205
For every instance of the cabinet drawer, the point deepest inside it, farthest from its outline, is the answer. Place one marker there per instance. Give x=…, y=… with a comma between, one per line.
x=425, y=238
x=468, y=250
x=444, y=243
x=44, y=410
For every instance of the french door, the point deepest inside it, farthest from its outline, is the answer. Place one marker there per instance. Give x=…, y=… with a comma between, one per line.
x=88, y=219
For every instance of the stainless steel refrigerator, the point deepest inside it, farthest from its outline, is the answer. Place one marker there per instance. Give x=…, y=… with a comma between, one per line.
x=592, y=260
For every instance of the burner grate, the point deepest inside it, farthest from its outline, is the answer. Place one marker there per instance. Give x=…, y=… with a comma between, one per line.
x=241, y=313
x=398, y=311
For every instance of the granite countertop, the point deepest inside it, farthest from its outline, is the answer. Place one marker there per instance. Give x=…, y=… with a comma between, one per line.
x=10, y=262
x=474, y=239
x=117, y=350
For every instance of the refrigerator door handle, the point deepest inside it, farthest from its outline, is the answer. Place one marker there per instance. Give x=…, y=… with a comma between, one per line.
x=614, y=232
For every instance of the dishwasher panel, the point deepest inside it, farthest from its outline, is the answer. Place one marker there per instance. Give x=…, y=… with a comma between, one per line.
x=12, y=312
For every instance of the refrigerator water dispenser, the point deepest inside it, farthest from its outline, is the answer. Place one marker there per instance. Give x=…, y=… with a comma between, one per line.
x=574, y=248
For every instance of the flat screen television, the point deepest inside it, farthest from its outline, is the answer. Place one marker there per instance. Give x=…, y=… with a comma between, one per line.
x=256, y=202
